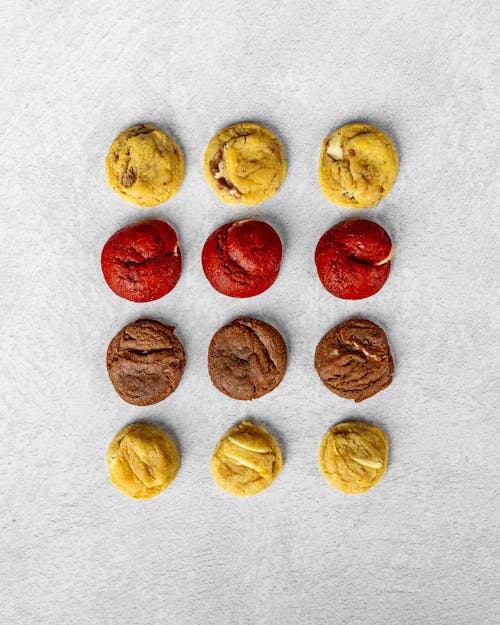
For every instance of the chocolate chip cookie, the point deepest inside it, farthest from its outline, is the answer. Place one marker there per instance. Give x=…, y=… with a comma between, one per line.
x=244, y=164
x=144, y=166
x=354, y=360
x=247, y=358
x=145, y=362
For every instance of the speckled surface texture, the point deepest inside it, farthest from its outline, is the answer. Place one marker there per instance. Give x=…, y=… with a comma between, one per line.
x=420, y=548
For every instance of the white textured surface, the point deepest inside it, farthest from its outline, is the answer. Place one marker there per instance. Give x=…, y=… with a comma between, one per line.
x=421, y=548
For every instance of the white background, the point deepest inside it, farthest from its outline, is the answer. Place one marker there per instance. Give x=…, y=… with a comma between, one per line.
x=420, y=548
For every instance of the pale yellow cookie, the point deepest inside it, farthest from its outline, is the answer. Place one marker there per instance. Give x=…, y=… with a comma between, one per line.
x=246, y=460
x=245, y=164
x=357, y=166
x=144, y=166
x=353, y=456
x=142, y=461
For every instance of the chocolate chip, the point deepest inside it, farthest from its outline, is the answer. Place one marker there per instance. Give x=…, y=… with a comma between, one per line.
x=128, y=177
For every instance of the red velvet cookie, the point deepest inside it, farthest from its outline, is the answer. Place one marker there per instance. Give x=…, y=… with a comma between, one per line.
x=353, y=258
x=242, y=258
x=142, y=262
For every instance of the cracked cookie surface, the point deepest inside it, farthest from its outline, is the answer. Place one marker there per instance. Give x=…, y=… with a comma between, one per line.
x=242, y=258
x=142, y=262
x=353, y=456
x=353, y=360
x=247, y=358
x=358, y=165
x=145, y=362
x=244, y=164
x=144, y=166
x=246, y=460
x=142, y=461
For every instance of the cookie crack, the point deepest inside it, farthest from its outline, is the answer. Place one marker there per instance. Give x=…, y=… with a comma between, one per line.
x=229, y=463
x=366, y=263
x=143, y=352
x=230, y=265
x=261, y=344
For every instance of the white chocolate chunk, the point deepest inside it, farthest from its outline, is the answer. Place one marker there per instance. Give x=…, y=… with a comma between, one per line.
x=334, y=149
x=251, y=444
x=371, y=464
x=386, y=259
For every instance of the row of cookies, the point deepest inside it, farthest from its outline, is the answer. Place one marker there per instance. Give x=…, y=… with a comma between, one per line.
x=143, y=460
x=245, y=164
x=143, y=262
x=247, y=358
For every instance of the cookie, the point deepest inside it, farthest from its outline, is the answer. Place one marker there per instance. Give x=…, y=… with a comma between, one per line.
x=247, y=358
x=353, y=259
x=242, y=258
x=353, y=456
x=142, y=262
x=142, y=461
x=145, y=362
x=354, y=360
x=144, y=166
x=357, y=166
x=246, y=460
x=244, y=164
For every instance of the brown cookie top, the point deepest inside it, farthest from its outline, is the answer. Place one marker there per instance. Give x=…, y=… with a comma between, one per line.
x=145, y=362
x=354, y=360
x=247, y=358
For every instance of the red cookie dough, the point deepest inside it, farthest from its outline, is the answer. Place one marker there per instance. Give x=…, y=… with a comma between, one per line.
x=353, y=259
x=242, y=258
x=142, y=262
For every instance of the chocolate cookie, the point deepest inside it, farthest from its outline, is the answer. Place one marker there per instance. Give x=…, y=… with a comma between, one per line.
x=354, y=360
x=247, y=358
x=145, y=362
